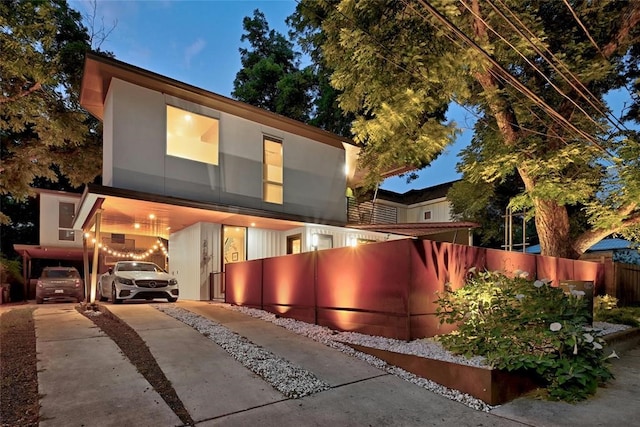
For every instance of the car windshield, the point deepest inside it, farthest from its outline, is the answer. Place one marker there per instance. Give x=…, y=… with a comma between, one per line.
x=60, y=274
x=139, y=266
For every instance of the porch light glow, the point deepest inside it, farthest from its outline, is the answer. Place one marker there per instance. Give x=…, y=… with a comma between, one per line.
x=87, y=235
x=152, y=216
x=253, y=224
x=136, y=225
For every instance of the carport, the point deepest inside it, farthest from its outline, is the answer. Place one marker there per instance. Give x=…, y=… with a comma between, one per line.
x=31, y=252
x=112, y=210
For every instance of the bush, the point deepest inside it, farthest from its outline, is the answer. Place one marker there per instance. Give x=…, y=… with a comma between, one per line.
x=605, y=309
x=517, y=324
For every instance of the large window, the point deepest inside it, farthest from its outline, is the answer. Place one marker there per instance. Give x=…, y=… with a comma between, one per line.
x=272, y=171
x=192, y=136
x=66, y=212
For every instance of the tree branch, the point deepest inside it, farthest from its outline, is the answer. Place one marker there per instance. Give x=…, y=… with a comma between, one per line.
x=591, y=237
x=631, y=18
x=32, y=89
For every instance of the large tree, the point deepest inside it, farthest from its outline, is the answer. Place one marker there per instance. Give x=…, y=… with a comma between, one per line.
x=271, y=77
x=43, y=130
x=535, y=73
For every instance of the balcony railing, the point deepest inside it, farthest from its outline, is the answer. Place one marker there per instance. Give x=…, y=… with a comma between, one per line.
x=370, y=212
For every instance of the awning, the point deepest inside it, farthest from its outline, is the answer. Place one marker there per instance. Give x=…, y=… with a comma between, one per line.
x=49, y=252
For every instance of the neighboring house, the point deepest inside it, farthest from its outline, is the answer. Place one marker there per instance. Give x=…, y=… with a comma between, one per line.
x=215, y=180
x=423, y=212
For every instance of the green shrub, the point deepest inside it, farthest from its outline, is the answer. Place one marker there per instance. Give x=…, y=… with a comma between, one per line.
x=517, y=324
x=605, y=302
x=622, y=316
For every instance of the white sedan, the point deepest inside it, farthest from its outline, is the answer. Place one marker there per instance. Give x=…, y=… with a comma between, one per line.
x=136, y=280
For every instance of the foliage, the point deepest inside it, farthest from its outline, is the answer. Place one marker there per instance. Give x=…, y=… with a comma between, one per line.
x=10, y=271
x=517, y=324
x=605, y=309
x=271, y=77
x=44, y=131
x=535, y=76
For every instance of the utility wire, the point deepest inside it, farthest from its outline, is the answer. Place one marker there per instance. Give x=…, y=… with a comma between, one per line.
x=591, y=98
x=507, y=76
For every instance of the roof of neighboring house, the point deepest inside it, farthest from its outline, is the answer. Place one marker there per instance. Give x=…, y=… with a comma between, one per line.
x=602, y=245
x=417, y=196
x=418, y=229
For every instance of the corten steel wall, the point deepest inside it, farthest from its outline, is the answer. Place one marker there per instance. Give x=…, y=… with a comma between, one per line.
x=385, y=289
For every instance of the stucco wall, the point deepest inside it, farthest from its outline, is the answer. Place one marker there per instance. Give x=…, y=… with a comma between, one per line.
x=49, y=220
x=314, y=179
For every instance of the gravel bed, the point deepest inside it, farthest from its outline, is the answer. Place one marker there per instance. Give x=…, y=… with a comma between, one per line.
x=335, y=339
x=289, y=379
x=605, y=328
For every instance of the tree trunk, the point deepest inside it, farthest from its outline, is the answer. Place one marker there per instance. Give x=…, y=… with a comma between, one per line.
x=552, y=225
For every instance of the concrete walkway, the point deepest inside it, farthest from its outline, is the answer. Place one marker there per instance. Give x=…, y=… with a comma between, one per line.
x=85, y=381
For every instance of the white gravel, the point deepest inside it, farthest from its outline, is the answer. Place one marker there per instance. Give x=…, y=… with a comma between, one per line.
x=289, y=379
x=295, y=382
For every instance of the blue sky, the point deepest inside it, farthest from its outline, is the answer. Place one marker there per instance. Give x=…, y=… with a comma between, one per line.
x=197, y=42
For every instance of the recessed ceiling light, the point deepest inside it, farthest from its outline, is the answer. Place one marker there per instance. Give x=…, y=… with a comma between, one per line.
x=136, y=225
x=187, y=117
x=152, y=216
x=253, y=224
x=168, y=228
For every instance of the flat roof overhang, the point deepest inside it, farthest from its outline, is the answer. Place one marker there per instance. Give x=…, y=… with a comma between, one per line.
x=122, y=209
x=419, y=229
x=99, y=70
x=50, y=252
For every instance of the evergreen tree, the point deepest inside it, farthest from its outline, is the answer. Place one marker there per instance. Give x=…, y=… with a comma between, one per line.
x=535, y=72
x=271, y=77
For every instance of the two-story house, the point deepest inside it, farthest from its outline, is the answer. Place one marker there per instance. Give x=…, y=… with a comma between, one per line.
x=208, y=180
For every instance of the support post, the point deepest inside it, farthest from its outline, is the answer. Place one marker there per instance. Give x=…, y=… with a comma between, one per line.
x=96, y=249
x=85, y=267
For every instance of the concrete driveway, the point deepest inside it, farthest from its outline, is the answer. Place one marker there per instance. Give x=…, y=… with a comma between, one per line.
x=85, y=380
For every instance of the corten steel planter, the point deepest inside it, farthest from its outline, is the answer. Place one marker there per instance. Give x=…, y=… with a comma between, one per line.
x=492, y=386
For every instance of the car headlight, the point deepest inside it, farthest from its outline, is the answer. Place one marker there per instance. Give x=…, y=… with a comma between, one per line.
x=173, y=282
x=124, y=281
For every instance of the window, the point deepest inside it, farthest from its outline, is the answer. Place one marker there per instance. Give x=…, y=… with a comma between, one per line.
x=192, y=136
x=272, y=171
x=427, y=215
x=66, y=213
x=294, y=244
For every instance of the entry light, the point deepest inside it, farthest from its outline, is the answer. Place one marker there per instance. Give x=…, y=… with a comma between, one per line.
x=314, y=240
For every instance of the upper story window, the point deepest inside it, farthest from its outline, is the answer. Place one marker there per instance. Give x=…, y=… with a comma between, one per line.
x=272, y=171
x=192, y=136
x=426, y=216
x=66, y=213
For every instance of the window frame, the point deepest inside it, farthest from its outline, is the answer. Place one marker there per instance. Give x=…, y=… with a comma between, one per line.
x=190, y=155
x=265, y=178
x=66, y=234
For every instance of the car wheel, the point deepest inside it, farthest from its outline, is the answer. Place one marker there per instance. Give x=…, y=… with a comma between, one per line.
x=113, y=295
x=100, y=297
x=172, y=299
x=39, y=300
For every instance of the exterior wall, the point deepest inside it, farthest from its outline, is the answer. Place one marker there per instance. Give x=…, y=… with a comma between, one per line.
x=265, y=243
x=440, y=211
x=184, y=260
x=49, y=220
x=314, y=178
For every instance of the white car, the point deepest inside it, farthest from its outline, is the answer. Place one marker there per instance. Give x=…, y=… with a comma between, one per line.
x=136, y=280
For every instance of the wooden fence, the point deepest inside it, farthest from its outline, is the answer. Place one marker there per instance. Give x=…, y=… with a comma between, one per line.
x=627, y=281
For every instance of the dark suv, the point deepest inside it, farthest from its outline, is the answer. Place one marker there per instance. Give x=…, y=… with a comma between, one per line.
x=59, y=283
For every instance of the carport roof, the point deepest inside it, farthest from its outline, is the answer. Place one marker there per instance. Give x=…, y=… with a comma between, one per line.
x=50, y=252
x=160, y=216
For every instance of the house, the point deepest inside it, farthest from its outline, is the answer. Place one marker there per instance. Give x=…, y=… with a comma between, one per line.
x=211, y=181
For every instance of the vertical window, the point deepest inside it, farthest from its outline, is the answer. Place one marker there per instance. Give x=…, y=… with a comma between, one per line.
x=427, y=215
x=272, y=171
x=66, y=212
x=192, y=136
x=294, y=244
